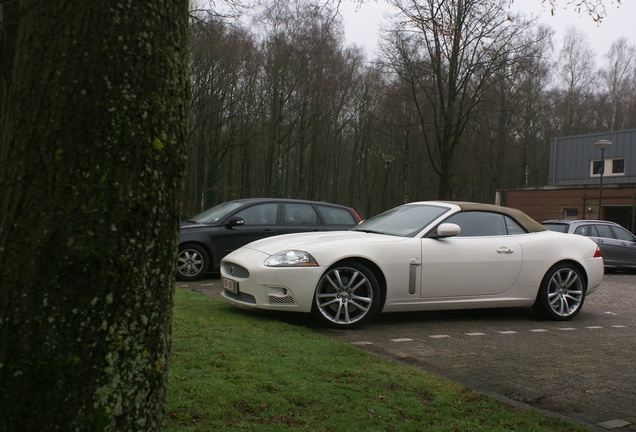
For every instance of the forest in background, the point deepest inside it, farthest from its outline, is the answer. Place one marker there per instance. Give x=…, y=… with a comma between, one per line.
x=463, y=97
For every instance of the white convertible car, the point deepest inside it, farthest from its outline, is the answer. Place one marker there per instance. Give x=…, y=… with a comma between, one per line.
x=417, y=257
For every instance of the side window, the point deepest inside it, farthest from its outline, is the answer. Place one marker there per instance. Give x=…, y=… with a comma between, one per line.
x=335, y=215
x=586, y=230
x=513, y=227
x=476, y=223
x=623, y=234
x=604, y=231
x=259, y=214
x=300, y=214
x=618, y=166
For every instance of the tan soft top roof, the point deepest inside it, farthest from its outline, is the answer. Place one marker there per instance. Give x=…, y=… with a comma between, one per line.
x=520, y=217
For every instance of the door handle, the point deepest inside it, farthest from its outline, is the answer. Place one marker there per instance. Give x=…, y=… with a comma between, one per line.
x=505, y=250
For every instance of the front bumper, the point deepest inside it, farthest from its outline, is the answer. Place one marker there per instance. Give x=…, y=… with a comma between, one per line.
x=247, y=282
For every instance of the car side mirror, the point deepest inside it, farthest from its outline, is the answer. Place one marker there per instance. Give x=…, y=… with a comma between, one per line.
x=448, y=230
x=234, y=221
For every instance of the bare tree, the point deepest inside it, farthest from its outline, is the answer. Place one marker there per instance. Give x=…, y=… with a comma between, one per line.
x=619, y=81
x=595, y=9
x=449, y=53
x=284, y=115
x=9, y=17
x=91, y=161
x=284, y=66
x=224, y=68
x=505, y=140
x=575, y=70
x=306, y=84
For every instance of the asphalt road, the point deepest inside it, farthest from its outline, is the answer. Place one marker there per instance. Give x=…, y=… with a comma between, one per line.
x=583, y=370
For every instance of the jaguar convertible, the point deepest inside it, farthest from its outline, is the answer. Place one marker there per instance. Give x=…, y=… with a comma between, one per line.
x=417, y=257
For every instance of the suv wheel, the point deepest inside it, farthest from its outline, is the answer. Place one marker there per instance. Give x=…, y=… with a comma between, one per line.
x=192, y=263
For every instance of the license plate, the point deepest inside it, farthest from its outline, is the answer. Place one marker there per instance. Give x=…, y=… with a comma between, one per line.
x=230, y=285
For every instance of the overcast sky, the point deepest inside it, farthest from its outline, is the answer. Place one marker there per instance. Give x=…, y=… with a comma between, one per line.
x=363, y=22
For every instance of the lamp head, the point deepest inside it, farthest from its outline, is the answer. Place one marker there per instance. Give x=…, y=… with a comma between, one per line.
x=603, y=145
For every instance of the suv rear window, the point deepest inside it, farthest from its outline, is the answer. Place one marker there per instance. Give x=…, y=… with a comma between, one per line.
x=336, y=215
x=556, y=227
x=622, y=234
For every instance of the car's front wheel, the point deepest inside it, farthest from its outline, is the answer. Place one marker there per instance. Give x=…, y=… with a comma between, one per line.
x=347, y=296
x=192, y=263
x=561, y=294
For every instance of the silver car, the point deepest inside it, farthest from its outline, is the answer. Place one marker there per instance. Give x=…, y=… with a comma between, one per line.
x=618, y=246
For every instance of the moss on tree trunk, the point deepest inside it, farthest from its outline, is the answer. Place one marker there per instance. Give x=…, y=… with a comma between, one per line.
x=91, y=166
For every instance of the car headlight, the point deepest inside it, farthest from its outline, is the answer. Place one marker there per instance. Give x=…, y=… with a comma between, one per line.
x=291, y=258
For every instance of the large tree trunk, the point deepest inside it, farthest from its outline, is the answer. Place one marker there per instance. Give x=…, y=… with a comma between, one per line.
x=91, y=162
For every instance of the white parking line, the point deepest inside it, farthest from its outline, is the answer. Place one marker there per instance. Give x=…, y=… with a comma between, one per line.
x=503, y=332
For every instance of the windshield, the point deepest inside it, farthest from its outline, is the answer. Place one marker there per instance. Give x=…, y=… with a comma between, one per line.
x=214, y=214
x=404, y=221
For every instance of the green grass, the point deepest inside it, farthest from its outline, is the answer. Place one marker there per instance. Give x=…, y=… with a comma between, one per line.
x=233, y=370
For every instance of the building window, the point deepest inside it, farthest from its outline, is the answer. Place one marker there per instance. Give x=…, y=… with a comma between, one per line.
x=613, y=167
x=571, y=214
x=618, y=166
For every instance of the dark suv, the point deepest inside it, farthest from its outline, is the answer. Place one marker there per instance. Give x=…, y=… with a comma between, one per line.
x=618, y=246
x=205, y=239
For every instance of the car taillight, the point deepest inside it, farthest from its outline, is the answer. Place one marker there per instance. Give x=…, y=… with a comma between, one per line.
x=597, y=254
x=356, y=213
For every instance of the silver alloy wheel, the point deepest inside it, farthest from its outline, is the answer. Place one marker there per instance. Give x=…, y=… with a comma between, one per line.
x=192, y=263
x=345, y=295
x=565, y=292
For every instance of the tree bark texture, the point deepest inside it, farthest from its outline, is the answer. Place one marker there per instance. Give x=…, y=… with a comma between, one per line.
x=91, y=166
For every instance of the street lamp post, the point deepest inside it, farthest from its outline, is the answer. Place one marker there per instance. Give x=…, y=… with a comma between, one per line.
x=602, y=145
x=387, y=162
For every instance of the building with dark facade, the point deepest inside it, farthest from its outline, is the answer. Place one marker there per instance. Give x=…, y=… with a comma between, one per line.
x=575, y=191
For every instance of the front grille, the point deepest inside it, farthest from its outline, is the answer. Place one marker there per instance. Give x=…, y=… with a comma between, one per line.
x=281, y=300
x=242, y=297
x=235, y=270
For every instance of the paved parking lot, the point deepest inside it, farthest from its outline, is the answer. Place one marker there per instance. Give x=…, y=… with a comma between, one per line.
x=584, y=369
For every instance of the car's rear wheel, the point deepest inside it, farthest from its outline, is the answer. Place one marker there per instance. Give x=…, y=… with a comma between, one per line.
x=347, y=296
x=192, y=263
x=561, y=294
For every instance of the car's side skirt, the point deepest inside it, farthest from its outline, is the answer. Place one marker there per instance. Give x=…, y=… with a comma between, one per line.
x=414, y=305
